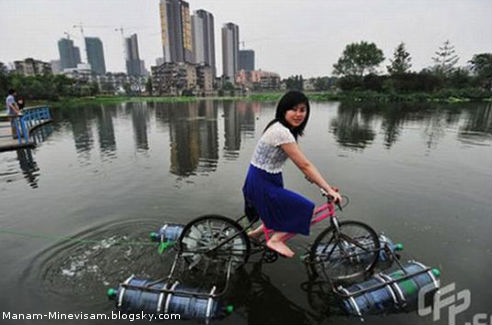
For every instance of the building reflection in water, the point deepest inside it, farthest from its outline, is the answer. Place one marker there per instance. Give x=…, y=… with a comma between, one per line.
x=161, y=112
x=232, y=132
x=209, y=140
x=80, y=120
x=239, y=120
x=140, y=119
x=105, y=130
x=246, y=112
x=193, y=137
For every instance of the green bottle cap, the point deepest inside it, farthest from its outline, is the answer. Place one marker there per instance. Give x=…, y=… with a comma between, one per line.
x=111, y=292
x=154, y=236
x=399, y=247
x=229, y=308
x=436, y=272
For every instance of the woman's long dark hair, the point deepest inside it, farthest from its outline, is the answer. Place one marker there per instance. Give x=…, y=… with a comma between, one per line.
x=288, y=101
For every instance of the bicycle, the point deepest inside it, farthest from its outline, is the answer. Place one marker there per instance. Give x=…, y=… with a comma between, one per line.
x=344, y=251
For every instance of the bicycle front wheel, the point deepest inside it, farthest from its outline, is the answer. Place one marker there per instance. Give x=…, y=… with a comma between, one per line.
x=346, y=254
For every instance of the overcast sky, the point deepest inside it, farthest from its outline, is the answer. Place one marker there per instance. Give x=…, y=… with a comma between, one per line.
x=289, y=36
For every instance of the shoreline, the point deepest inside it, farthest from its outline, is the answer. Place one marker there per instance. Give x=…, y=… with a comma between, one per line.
x=367, y=96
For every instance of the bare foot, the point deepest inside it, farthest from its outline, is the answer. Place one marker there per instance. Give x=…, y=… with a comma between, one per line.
x=255, y=234
x=280, y=248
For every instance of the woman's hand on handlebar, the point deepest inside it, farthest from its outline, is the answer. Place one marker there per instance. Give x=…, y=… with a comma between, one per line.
x=333, y=192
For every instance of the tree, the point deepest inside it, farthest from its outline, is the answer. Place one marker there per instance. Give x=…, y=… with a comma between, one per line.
x=445, y=59
x=482, y=67
x=401, y=61
x=358, y=59
x=4, y=82
x=148, y=86
x=294, y=82
x=323, y=83
x=128, y=88
x=94, y=86
x=3, y=69
x=107, y=87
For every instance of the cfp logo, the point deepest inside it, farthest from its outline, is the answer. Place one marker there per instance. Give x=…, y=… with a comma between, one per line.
x=456, y=304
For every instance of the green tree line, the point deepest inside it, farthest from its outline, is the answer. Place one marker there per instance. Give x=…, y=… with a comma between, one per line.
x=50, y=87
x=357, y=70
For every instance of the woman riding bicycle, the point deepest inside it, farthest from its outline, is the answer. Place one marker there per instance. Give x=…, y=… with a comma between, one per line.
x=281, y=210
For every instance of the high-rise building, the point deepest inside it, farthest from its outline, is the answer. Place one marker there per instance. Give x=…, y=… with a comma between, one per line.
x=95, y=54
x=202, y=27
x=76, y=53
x=230, y=50
x=134, y=66
x=246, y=60
x=176, y=31
x=69, y=54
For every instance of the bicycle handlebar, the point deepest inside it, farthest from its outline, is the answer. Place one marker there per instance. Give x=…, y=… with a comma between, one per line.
x=325, y=194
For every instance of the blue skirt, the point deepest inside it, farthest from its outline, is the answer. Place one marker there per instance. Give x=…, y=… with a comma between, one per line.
x=278, y=208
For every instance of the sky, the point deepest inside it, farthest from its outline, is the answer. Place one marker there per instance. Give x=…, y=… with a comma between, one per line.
x=288, y=36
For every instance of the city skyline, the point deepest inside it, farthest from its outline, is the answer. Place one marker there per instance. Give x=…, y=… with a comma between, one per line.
x=304, y=37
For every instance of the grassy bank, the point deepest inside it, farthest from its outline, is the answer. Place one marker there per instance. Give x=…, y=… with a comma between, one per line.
x=445, y=96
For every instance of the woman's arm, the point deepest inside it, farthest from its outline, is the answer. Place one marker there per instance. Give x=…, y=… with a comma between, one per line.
x=311, y=172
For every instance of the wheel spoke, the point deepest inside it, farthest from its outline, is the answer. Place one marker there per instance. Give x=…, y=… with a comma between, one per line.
x=214, y=240
x=350, y=254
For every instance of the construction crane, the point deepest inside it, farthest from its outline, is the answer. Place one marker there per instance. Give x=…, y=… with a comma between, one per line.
x=122, y=31
x=81, y=28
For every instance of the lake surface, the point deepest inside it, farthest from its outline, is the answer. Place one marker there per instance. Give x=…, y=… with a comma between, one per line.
x=76, y=211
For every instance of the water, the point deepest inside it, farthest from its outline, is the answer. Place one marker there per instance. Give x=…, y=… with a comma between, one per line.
x=76, y=211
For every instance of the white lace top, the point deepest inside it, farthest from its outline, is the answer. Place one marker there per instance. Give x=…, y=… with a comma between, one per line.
x=268, y=154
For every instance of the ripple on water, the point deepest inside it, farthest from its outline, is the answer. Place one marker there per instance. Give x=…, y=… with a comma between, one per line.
x=84, y=267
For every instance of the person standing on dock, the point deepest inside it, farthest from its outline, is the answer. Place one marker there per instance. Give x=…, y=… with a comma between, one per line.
x=12, y=109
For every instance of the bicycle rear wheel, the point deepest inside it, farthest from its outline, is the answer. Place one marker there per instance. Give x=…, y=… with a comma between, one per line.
x=213, y=240
x=345, y=255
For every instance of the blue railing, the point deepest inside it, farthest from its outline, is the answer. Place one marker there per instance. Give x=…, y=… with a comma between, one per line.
x=30, y=118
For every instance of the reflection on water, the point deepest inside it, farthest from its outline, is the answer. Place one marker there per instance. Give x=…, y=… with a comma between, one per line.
x=356, y=125
x=25, y=160
x=105, y=130
x=80, y=120
x=477, y=126
x=239, y=119
x=353, y=126
x=140, y=120
x=104, y=165
x=255, y=292
x=193, y=129
x=28, y=166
